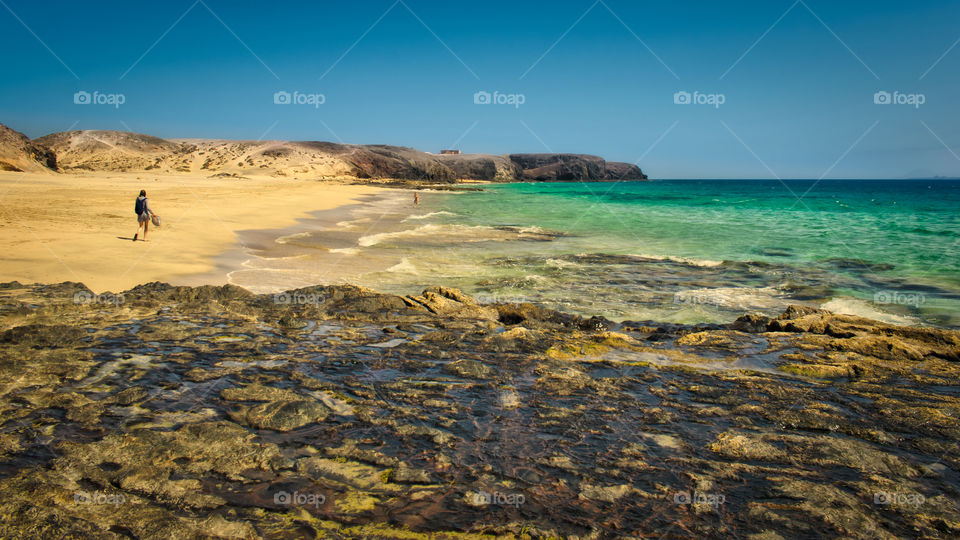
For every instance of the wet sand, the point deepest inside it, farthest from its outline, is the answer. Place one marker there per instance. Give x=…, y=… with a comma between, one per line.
x=320, y=248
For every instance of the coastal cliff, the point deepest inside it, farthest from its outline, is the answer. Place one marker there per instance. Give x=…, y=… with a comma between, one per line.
x=19, y=154
x=337, y=411
x=118, y=151
x=565, y=167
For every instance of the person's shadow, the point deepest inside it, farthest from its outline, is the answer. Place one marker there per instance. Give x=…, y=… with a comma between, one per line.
x=127, y=238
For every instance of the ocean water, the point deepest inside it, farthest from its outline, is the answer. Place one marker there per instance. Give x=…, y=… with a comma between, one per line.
x=673, y=251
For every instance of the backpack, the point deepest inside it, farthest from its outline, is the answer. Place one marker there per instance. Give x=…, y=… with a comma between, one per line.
x=138, y=206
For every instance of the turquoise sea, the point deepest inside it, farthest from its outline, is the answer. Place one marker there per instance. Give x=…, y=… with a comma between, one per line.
x=672, y=251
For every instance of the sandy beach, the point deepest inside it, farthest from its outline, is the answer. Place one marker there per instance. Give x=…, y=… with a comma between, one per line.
x=57, y=227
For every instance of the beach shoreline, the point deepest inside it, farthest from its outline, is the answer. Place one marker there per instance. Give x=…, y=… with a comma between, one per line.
x=258, y=247
x=269, y=235
x=78, y=227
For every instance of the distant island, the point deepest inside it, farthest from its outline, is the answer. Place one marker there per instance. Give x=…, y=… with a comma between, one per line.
x=120, y=151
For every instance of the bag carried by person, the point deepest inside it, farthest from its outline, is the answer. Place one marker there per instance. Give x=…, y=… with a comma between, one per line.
x=138, y=206
x=155, y=219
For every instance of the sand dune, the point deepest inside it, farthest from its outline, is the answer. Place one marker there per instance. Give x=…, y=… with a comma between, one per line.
x=118, y=151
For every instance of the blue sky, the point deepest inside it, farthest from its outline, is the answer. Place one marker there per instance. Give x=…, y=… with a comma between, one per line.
x=797, y=79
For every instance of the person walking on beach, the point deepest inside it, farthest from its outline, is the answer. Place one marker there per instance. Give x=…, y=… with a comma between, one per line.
x=142, y=208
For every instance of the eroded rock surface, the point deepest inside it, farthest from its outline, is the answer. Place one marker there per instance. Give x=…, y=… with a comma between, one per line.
x=213, y=412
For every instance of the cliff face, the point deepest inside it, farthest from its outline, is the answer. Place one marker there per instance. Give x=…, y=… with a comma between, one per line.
x=19, y=154
x=617, y=170
x=125, y=152
x=563, y=167
x=482, y=167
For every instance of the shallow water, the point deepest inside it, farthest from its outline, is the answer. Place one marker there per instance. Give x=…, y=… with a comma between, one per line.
x=673, y=251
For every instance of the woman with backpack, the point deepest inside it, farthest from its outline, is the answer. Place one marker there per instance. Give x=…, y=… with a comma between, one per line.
x=144, y=213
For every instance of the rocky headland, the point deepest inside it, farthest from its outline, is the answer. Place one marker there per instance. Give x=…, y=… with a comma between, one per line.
x=340, y=412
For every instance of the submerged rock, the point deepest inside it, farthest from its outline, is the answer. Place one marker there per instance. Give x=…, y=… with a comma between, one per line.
x=282, y=415
x=40, y=336
x=470, y=368
x=214, y=412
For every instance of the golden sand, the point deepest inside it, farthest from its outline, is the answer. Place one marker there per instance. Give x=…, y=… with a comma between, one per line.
x=59, y=227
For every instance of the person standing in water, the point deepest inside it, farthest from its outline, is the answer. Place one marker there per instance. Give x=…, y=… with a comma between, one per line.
x=416, y=197
x=142, y=208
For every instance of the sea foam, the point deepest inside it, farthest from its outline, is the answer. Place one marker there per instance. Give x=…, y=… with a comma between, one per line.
x=463, y=233
x=430, y=215
x=291, y=237
x=846, y=305
x=706, y=263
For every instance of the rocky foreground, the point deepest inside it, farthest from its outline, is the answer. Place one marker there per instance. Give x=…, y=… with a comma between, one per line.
x=339, y=412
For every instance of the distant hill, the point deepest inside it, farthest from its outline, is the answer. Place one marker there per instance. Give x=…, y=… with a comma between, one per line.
x=107, y=150
x=118, y=151
x=18, y=153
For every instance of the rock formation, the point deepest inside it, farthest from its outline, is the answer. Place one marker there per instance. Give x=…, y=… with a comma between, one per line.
x=179, y=412
x=19, y=154
x=564, y=167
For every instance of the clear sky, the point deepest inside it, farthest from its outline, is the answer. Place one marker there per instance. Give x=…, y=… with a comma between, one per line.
x=797, y=81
